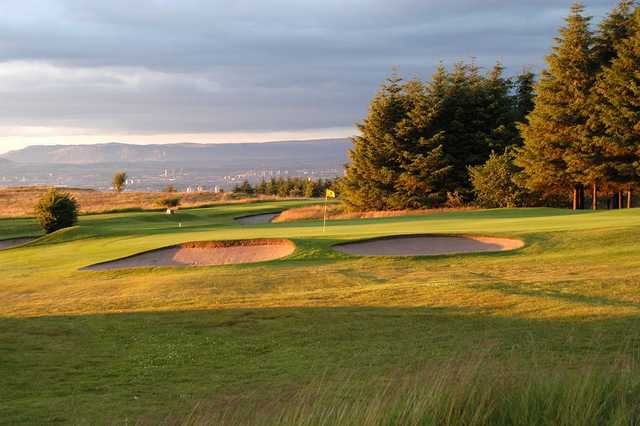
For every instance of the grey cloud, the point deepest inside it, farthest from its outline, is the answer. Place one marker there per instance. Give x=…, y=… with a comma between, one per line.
x=205, y=66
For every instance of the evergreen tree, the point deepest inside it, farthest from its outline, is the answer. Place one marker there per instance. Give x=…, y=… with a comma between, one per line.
x=418, y=139
x=494, y=182
x=618, y=111
x=309, y=189
x=422, y=165
x=614, y=28
x=525, y=95
x=372, y=175
x=476, y=117
x=552, y=156
x=262, y=187
x=272, y=186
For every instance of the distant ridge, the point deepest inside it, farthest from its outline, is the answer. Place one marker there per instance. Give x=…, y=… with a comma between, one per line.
x=322, y=150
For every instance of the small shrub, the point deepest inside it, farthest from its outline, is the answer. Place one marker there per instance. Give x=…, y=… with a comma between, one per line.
x=495, y=182
x=56, y=210
x=170, y=203
x=119, y=181
x=170, y=188
x=454, y=200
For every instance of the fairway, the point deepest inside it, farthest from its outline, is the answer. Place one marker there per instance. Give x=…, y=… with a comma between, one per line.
x=161, y=343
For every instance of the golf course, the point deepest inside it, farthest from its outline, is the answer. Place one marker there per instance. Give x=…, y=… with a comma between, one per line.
x=547, y=333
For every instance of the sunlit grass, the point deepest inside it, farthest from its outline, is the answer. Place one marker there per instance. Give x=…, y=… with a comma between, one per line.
x=555, y=318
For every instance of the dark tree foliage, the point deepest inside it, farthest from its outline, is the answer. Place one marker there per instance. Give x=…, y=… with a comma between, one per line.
x=576, y=127
x=419, y=138
x=525, y=95
x=617, y=112
x=495, y=182
x=554, y=137
x=56, y=210
x=614, y=28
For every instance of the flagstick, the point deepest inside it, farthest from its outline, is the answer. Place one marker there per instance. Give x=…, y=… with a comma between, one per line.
x=324, y=220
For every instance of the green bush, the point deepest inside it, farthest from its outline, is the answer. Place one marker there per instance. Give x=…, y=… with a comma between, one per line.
x=495, y=183
x=56, y=210
x=119, y=181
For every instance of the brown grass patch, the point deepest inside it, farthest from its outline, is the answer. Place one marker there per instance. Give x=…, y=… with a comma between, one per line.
x=19, y=202
x=337, y=212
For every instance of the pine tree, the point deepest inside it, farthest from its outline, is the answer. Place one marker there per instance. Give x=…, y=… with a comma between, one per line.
x=262, y=187
x=422, y=164
x=309, y=189
x=372, y=175
x=551, y=157
x=618, y=111
x=476, y=116
x=525, y=95
x=614, y=28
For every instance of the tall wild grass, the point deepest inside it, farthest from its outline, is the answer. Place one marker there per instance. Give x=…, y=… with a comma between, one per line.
x=464, y=392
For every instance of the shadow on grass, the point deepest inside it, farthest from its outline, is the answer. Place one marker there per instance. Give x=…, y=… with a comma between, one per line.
x=109, y=368
x=527, y=290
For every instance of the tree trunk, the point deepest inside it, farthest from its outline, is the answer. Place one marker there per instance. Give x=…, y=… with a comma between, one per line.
x=575, y=198
x=594, y=195
x=629, y=198
x=581, y=197
x=620, y=196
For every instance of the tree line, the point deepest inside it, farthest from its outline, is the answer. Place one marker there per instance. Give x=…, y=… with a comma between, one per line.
x=473, y=135
x=287, y=187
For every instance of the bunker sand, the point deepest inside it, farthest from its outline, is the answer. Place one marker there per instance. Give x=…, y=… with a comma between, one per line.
x=428, y=245
x=256, y=219
x=205, y=254
x=7, y=244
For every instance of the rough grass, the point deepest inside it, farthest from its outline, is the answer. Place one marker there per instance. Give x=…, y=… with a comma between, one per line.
x=335, y=211
x=19, y=201
x=543, y=335
x=466, y=390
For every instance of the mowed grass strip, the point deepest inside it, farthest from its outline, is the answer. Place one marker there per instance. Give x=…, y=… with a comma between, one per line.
x=152, y=344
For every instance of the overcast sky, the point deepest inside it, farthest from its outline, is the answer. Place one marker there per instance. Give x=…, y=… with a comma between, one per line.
x=142, y=71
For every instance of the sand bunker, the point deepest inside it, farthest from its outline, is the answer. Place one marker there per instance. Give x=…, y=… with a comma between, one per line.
x=428, y=245
x=205, y=253
x=7, y=244
x=256, y=219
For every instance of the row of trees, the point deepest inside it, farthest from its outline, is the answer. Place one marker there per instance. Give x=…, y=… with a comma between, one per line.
x=419, y=138
x=471, y=134
x=289, y=187
x=584, y=129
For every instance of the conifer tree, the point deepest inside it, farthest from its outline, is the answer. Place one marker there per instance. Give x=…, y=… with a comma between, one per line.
x=372, y=175
x=524, y=95
x=618, y=111
x=475, y=116
x=551, y=157
x=614, y=28
x=422, y=165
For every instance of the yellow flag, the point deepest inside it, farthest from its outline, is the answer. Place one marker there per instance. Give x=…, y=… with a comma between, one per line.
x=330, y=194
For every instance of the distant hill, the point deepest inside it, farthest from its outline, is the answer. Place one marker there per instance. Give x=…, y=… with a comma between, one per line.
x=5, y=162
x=326, y=151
